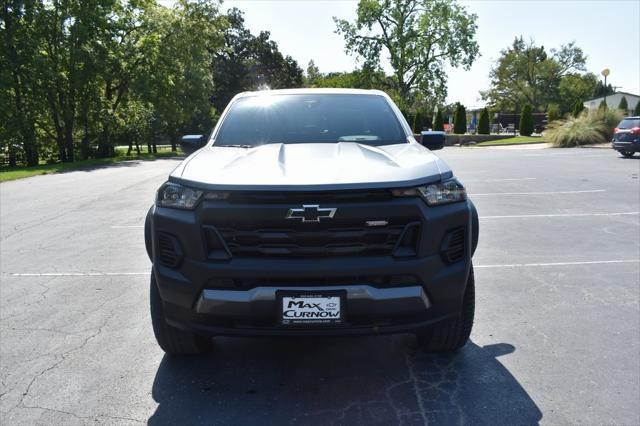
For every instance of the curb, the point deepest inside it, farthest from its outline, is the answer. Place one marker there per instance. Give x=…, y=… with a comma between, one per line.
x=473, y=145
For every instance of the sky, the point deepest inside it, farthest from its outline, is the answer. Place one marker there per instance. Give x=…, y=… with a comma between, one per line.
x=607, y=31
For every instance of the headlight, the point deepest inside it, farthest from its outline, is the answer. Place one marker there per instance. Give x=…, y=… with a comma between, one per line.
x=182, y=197
x=178, y=196
x=435, y=194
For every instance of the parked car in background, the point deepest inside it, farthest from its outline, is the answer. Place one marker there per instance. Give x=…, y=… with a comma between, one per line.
x=626, y=137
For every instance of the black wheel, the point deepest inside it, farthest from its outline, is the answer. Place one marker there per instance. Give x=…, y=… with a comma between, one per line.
x=627, y=154
x=451, y=335
x=172, y=340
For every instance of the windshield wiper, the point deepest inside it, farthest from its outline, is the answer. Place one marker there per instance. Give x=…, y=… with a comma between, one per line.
x=236, y=146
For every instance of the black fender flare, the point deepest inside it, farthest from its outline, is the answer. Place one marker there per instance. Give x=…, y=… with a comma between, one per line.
x=148, y=222
x=475, y=227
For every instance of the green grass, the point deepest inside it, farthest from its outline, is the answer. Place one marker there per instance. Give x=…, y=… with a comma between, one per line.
x=517, y=140
x=12, y=173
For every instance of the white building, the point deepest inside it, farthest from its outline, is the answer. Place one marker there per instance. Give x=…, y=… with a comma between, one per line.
x=613, y=101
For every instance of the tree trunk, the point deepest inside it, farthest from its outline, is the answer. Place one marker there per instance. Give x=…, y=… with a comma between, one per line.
x=68, y=140
x=84, y=143
x=12, y=155
x=30, y=147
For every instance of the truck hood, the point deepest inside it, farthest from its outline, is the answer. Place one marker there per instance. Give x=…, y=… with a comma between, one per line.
x=311, y=166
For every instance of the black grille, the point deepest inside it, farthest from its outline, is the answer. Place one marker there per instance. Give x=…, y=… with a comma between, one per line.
x=453, y=245
x=169, y=251
x=384, y=281
x=303, y=197
x=312, y=240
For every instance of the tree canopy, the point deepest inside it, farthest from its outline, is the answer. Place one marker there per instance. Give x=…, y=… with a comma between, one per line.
x=527, y=74
x=78, y=78
x=419, y=37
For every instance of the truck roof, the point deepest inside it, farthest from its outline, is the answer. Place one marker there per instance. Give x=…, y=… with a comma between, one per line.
x=307, y=91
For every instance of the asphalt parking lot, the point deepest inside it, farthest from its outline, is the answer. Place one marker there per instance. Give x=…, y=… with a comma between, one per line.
x=556, y=337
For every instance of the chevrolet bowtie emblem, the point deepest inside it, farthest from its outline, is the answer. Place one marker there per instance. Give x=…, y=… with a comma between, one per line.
x=311, y=213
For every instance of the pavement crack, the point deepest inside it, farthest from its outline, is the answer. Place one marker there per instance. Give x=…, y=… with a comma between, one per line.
x=414, y=382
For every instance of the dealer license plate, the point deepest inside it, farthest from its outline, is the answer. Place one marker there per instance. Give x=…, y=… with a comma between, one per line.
x=310, y=309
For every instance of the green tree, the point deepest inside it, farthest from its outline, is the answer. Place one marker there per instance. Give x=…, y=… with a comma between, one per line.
x=438, y=121
x=578, y=108
x=574, y=88
x=73, y=41
x=553, y=113
x=526, y=121
x=483, y=122
x=420, y=38
x=359, y=79
x=19, y=89
x=601, y=91
x=418, y=121
x=636, y=110
x=526, y=74
x=313, y=75
x=460, y=120
x=623, y=106
x=249, y=62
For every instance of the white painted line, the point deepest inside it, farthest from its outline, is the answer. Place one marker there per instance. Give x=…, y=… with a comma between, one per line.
x=540, y=193
x=79, y=274
x=510, y=265
x=126, y=226
x=518, y=216
x=498, y=180
x=520, y=265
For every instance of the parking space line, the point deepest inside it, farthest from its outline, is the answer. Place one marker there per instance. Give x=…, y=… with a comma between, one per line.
x=147, y=273
x=588, y=191
x=524, y=216
x=78, y=274
x=499, y=180
x=594, y=262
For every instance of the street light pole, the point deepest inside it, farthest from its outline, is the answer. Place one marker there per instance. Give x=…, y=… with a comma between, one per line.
x=605, y=73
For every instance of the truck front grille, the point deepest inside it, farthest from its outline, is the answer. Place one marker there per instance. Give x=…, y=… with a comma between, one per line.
x=312, y=240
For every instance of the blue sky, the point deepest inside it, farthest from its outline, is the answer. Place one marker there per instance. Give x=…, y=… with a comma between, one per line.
x=608, y=32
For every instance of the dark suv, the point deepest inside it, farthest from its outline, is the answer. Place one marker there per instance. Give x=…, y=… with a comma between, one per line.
x=311, y=212
x=626, y=137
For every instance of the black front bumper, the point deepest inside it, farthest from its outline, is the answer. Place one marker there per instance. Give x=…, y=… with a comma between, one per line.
x=236, y=296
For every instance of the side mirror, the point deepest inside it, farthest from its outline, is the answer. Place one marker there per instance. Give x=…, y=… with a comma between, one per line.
x=192, y=143
x=432, y=140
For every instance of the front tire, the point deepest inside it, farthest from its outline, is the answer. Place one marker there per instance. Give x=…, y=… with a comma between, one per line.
x=172, y=340
x=451, y=335
x=627, y=154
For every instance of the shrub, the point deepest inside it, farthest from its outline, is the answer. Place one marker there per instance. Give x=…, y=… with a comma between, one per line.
x=586, y=129
x=553, y=113
x=575, y=131
x=438, y=121
x=603, y=105
x=636, y=111
x=609, y=119
x=578, y=108
x=483, y=122
x=460, y=121
x=526, y=121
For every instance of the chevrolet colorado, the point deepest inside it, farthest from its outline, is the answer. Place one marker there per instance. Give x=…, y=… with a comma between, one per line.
x=311, y=212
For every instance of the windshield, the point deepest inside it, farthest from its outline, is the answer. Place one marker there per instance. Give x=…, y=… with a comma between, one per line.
x=312, y=118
